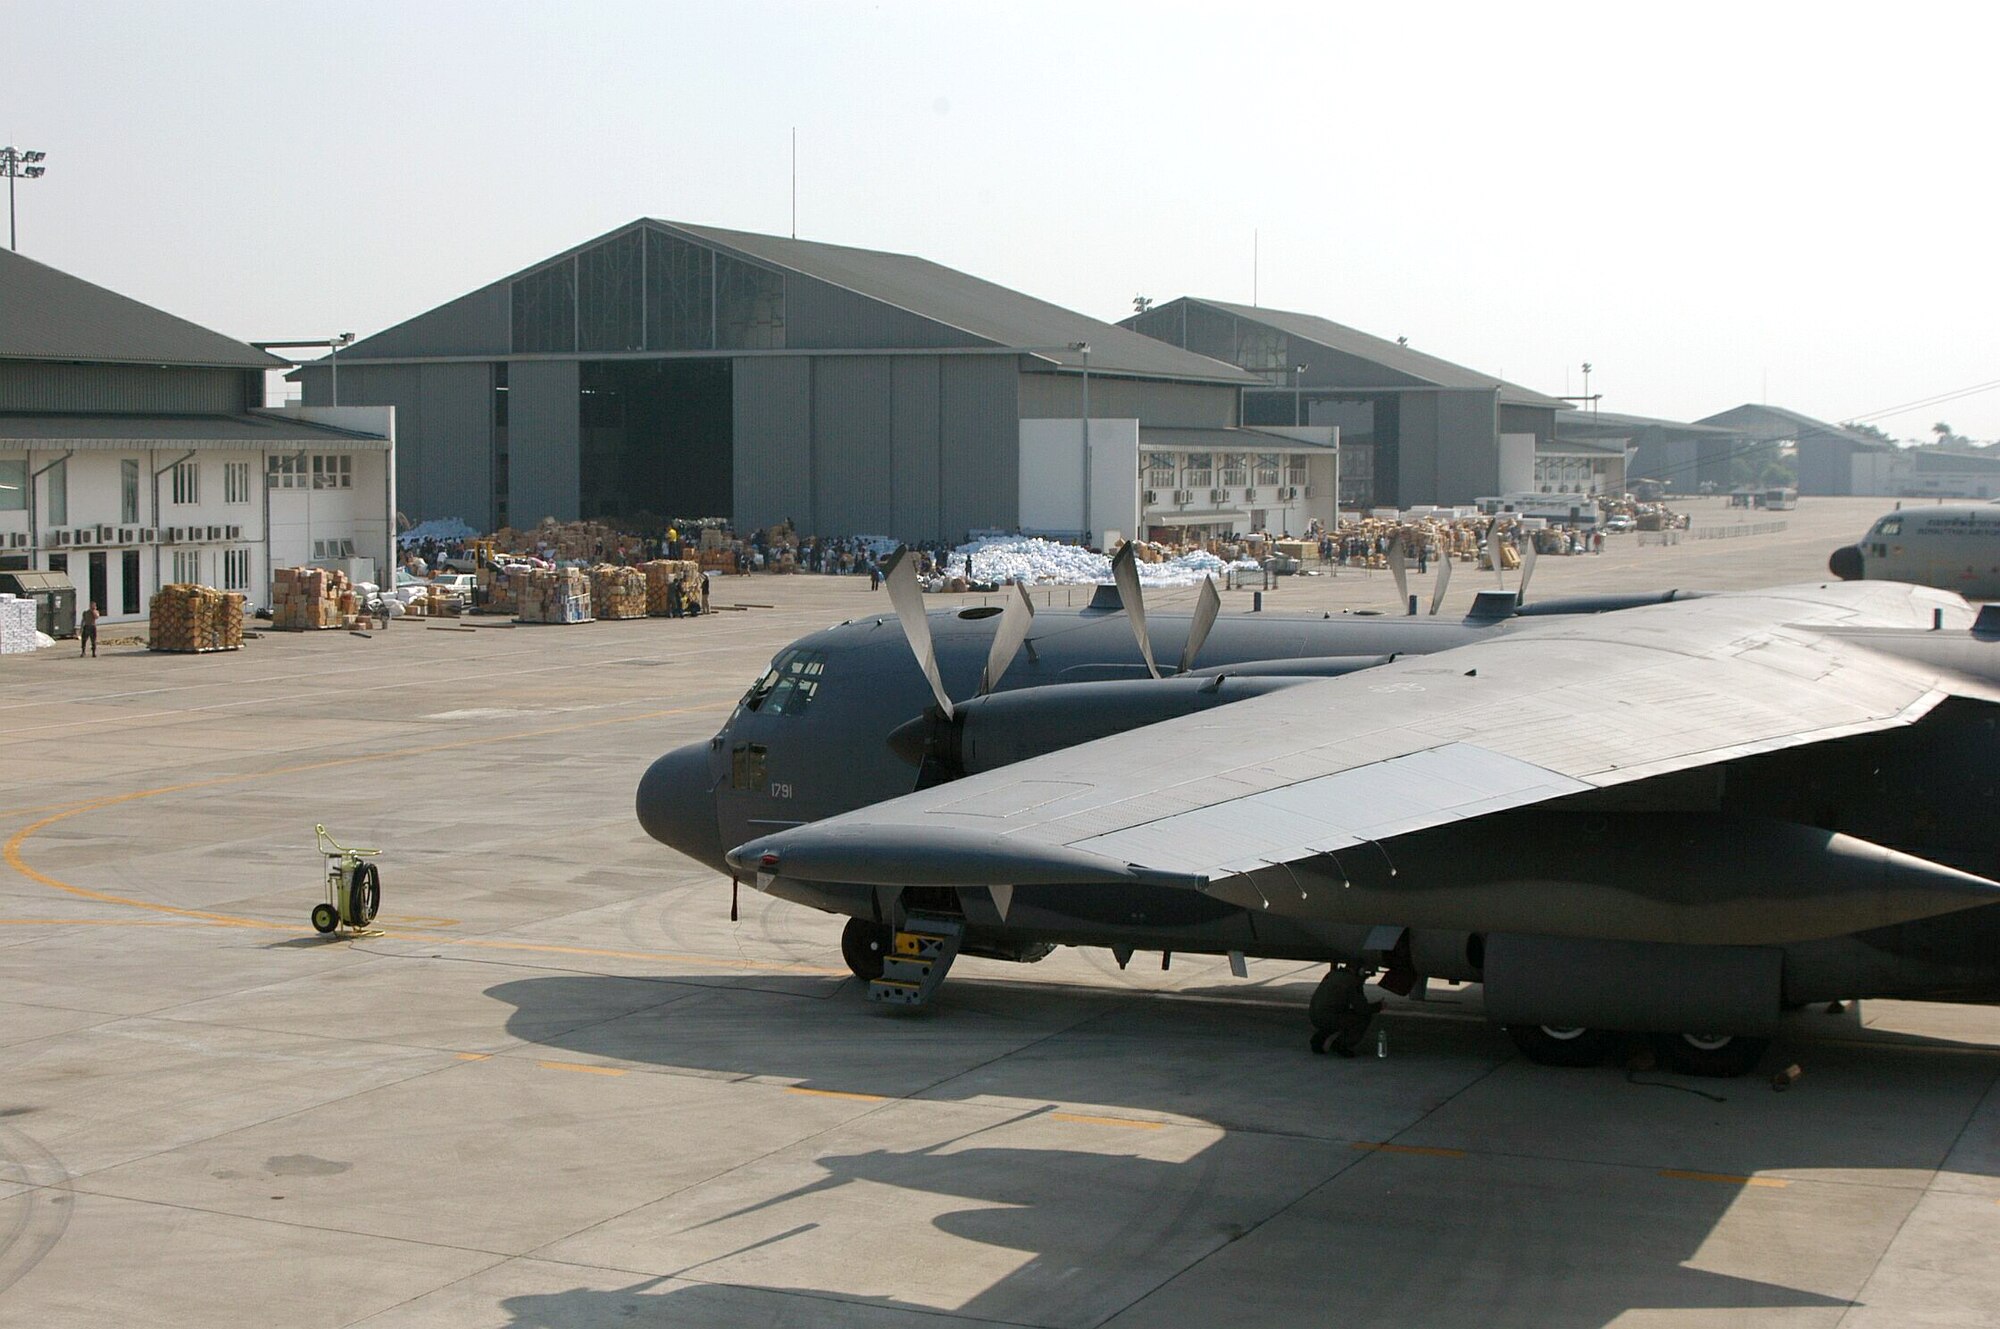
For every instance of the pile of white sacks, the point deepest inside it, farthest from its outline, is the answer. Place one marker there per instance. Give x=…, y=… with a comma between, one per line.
x=1036, y=562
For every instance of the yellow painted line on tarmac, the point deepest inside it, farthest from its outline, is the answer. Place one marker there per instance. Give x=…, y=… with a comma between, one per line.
x=417, y=920
x=96, y=923
x=581, y=1068
x=1725, y=1178
x=15, y=859
x=475, y=1056
x=836, y=1093
x=1426, y=1151
x=1088, y=1120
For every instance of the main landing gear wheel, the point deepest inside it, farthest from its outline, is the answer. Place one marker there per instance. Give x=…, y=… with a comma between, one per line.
x=1548, y=1045
x=1340, y=1012
x=324, y=918
x=1720, y=1056
x=864, y=945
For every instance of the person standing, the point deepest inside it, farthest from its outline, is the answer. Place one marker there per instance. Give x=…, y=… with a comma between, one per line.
x=86, y=637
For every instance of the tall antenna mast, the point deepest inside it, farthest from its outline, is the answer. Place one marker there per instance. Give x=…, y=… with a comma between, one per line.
x=795, y=182
x=1253, y=266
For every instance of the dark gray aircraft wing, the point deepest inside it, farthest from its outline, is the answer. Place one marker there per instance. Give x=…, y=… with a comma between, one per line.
x=1214, y=800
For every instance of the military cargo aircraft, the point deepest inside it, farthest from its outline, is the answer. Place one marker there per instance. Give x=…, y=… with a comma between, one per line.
x=1954, y=546
x=1672, y=819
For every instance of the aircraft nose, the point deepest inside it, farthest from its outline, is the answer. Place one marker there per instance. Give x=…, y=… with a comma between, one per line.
x=677, y=808
x=1846, y=563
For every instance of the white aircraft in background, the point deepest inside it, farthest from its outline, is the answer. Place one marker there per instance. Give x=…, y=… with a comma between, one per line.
x=1954, y=547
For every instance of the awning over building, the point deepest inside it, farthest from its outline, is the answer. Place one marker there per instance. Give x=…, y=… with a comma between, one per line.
x=1226, y=440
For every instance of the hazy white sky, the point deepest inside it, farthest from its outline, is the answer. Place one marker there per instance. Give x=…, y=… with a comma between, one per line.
x=1700, y=200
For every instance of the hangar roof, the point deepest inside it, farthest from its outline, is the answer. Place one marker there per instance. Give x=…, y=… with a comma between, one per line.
x=985, y=309
x=46, y=314
x=980, y=310
x=1767, y=423
x=1390, y=355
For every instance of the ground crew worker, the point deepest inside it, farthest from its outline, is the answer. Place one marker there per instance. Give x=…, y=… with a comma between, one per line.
x=86, y=637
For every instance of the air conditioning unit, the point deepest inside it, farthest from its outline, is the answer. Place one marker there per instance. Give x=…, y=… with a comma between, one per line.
x=104, y=534
x=1218, y=495
x=1249, y=496
x=148, y=535
x=1308, y=492
x=232, y=532
x=126, y=535
x=176, y=535
x=83, y=535
x=1152, y=497
x=215, y=532
x=54, y=539
x=18, y=540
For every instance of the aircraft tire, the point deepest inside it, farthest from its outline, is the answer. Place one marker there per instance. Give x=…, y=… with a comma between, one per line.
x=863, y=945
x=1718, y=1056
x=1561, y=1047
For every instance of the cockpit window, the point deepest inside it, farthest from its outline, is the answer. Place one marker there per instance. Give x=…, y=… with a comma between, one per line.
x=1889, y=526
x=790, y=684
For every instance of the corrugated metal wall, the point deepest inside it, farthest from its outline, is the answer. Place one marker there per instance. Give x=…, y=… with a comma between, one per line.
x=981, y=426
x=400, y=386
x=453, y=458
x=127, y=389
x=773, y=423
x=1153, y=403
x=852, y=445
x=542, y=441
x=916, y=448
x=821, y=315
x=1468, y=448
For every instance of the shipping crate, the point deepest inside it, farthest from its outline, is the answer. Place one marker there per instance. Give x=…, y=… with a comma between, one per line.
x=190, y=619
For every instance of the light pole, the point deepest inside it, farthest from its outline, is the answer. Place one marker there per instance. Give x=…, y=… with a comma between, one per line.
x=1083, y=348
x=18, y=164
x=1298, y=371
x=1586, y=388
x=332, y=344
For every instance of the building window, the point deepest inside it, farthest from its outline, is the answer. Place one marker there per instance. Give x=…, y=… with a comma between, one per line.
x=1234, y=472
x=749, y=306
x=332, y=471
x=608, y=294
x=285, y=472
x=59, y=493
x=236, y=569
x=1200, y=470
x=680, y=294
x=187, y=566
x=187, y=482
x=13, y=486
x=128, y=584
x=339, y=548
x=236, y=482
x=1267, y=468
x=128, y=493
x=545, y=309
x=1157, y=470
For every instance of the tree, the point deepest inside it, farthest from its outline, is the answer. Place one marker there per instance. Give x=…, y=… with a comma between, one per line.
x=1869, y=431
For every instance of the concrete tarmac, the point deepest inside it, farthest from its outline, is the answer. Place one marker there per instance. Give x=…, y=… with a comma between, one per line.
x=560, y=1088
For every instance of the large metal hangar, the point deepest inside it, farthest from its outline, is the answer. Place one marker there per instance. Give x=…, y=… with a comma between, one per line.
x=680, y=370
x=1413, y=428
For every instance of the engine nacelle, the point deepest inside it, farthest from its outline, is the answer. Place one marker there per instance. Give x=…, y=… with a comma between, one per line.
x=1568, y=983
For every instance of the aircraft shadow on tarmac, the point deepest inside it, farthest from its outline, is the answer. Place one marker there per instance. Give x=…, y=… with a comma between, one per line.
x=1553, y=1215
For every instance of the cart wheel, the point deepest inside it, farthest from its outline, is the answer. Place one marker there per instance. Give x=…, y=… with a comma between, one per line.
x=366, y=897
x=324, y=918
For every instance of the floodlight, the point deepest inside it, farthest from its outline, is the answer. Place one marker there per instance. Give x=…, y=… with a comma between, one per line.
x=33, y=156
x=35, y=172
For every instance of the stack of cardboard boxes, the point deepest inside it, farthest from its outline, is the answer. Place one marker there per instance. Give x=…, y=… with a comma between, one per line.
x=312, y=598
x=196, y=618
x=617, y=592
x=558, y=596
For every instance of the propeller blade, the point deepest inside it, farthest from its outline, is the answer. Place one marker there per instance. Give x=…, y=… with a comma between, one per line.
x=1125, y=572
x=1528, y=557
x=908, y=598
x=1399, y=569
x=1015, y=620
x=1493, y=551
x=1444, y=580
x=1207, y=604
